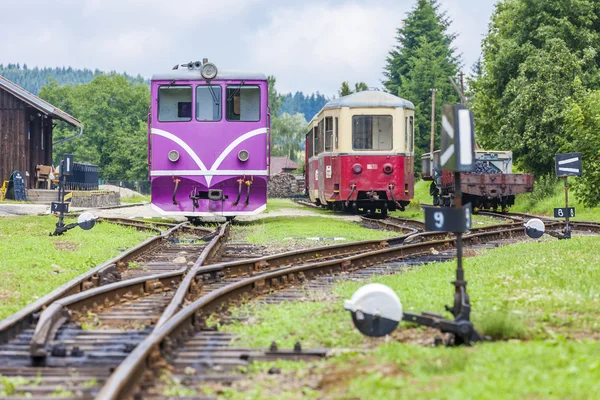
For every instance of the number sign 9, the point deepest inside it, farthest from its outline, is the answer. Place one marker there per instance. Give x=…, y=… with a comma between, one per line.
x=448, y=219
x=438, y=217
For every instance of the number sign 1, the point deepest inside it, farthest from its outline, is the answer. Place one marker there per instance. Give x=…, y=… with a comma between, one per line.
x=448, y=219
x=59, y=207
x=564, y=212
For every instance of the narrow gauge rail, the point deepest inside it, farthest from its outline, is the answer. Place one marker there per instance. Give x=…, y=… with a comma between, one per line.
x=184, y=339
x=75, y=349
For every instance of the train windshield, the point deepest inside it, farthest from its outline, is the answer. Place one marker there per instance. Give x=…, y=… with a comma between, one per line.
x=208, y=103
x=243, y=103
x=174, y=103
x=372, y=132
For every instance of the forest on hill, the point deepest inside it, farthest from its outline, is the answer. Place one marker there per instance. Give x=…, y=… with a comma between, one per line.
x=33, y=79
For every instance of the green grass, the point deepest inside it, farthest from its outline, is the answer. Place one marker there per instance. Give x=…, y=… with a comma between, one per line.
x=33, y=264
x=136, y=199
x=300, y=229
x=540, y=299
x=422, y=195
x=274, y=205
x=533, y=370
x=532, y=203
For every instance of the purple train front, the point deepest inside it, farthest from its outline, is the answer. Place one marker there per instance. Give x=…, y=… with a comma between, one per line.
x=208, y=142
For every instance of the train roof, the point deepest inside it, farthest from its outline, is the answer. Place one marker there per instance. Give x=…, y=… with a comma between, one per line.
x=369, y=98
x=222, y=74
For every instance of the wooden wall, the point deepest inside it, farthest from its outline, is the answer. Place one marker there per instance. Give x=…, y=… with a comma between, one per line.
x=21, y=134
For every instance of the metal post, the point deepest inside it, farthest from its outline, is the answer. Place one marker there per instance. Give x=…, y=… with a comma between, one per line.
x=567, y=227
x=431, y=144
x=460, y=275
x=61, y=199
x=462, y=88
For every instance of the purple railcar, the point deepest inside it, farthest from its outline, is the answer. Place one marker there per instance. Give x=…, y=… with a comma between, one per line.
x=208, y=142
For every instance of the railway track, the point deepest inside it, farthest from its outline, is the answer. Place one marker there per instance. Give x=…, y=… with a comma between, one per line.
x=194, y=353
x=154, y=309
x=99, y=317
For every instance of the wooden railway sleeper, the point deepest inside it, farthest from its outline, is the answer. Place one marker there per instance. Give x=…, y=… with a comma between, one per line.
x=153, y=286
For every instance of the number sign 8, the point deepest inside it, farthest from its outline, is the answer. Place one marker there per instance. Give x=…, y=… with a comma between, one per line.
x=560, y=212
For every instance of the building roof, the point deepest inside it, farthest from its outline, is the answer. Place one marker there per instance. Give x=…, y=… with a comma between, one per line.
x=184, y=74
x=279, y=164
x=37, y=103
x=369, y=98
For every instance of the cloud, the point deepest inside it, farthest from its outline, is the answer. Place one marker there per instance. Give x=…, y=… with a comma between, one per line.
x=318, y=46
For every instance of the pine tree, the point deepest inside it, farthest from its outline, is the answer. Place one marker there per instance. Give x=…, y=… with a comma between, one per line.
x=424, y=58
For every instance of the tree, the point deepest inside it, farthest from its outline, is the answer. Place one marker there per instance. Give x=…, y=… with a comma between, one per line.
x=358, y=87
x=113, y=111
x=582, y=124
x=287, y=135
x=275, y=99
x=536, y=54
x=423, y=59
x=345, y=89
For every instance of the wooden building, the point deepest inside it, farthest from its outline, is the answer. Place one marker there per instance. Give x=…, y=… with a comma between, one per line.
x=26, y=131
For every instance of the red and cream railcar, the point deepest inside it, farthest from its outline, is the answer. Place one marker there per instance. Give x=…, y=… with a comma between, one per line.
x=359, y=154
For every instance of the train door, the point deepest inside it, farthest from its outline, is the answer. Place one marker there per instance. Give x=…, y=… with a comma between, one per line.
x=314, y=167
x=328, y=160
x=307, y=156
x=321, y=165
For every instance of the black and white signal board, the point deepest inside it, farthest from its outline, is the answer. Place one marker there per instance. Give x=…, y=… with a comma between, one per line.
x=568, y=164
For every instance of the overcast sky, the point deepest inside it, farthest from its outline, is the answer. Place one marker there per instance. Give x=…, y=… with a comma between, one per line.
x=309, y=45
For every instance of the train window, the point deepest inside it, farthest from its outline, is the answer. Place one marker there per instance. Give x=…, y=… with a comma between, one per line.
x=208, y=103
x=372, y=132
x=309, y=144
x=409, y=136
x=335, y=134
x=243, y=103
x=321, y=133
x=316, y=140
x=174, y=103
x=328, y=134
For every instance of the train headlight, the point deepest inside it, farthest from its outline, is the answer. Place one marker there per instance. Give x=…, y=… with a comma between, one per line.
x=388, y=168
x=357, y=168
x=173, y=155
x=209, y=71
x=243, y=155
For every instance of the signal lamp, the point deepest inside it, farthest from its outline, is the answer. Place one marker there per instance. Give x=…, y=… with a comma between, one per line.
x=243, y=155
x=173, y=155
x=357, y=168
x=388, y=168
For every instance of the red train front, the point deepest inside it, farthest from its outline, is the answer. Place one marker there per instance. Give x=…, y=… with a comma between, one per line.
x=359, y=154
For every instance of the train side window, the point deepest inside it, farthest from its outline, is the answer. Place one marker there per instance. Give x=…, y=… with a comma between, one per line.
x=243, y=103
x=316, y=140
x=335, y=135
x=372, y=132
x=321, y=137
x=328, y=134
x=208, y=103
x=174, y=103
x=309, y=144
